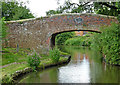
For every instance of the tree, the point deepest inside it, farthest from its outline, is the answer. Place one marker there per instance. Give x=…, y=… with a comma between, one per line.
x=3, y=30
x=105, y=8
x=61, y=38
x=15, y=11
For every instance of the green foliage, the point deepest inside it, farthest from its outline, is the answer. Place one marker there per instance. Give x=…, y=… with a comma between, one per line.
x=9, y=55
x=9, y=58
x=51, y=12
x=118, y=17
x=105, y=8
x=79, y=41
x=108, y=43
x=61, y=38
x=34, y=60
x=54, y=55
x=7, y=79
x=15, y=11
x=3, y=29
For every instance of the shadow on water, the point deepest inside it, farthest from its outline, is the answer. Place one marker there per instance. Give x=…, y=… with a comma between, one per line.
x=86, y=66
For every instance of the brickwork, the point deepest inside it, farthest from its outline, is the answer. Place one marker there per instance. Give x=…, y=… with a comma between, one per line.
x=36, y=33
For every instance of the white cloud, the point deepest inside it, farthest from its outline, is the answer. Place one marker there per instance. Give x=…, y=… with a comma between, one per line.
x=39, y=7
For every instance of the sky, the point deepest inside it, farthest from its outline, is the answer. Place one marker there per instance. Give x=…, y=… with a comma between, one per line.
x=39, y=7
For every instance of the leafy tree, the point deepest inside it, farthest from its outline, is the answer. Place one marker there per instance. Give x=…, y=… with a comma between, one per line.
x=108, y=43
x=3, y=30
x=15, y=11
x=51, y=12
x=61, y=38
x=105, y=8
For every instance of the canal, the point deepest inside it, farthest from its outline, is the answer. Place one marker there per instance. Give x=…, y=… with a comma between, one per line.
x=86, y=66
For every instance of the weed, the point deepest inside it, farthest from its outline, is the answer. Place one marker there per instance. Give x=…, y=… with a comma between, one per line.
x=54, y=55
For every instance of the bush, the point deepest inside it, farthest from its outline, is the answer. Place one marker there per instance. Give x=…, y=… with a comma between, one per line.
x=61, y=38
x=78, y=41
x=7, y=79
x=54, y=55
x=34, y=60
x=4, y=28
x=108, y=43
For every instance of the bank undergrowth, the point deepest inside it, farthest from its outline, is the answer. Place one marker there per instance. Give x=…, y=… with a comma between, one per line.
x=79, y=41
x=107, y=42
x=15, y=62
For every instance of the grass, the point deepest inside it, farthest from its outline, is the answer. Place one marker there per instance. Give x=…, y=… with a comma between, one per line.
x=10, y=56
x=63, y=53
x=13, y=68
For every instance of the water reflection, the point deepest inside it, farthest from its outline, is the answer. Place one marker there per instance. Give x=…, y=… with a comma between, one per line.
x=86, y=66
x=46, y=76
x=77, y=71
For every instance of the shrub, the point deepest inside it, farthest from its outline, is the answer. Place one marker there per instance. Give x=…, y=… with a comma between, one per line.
x=78, y=41
x=3, y=29
x=54, y=55
x=34, y=60
x=61, y=38
x=108, y=43
x=7, y=79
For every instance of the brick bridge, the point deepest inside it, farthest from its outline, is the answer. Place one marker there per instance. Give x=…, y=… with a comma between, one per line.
x=39, y=33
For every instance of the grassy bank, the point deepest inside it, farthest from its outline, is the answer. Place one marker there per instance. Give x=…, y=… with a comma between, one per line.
x=10, y=55
x=15, y=63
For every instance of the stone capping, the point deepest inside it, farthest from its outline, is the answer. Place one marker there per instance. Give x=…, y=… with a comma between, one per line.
x=41, y=18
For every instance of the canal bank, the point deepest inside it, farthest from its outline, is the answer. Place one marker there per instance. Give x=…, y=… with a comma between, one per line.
x=86, y=66
x=13, y=71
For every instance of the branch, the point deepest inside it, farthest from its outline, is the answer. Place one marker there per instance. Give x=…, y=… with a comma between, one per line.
x=80, y=4
x=110, y=6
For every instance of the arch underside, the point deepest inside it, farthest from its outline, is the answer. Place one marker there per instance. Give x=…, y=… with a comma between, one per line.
x=52, y=40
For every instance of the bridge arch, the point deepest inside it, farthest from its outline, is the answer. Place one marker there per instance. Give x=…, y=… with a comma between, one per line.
x=36, y=33
x=53, y=36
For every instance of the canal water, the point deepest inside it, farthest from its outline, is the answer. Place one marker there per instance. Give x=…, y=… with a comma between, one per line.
x=86, y=66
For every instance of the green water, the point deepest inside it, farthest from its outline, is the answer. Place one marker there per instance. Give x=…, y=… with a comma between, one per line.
x=86, y=66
